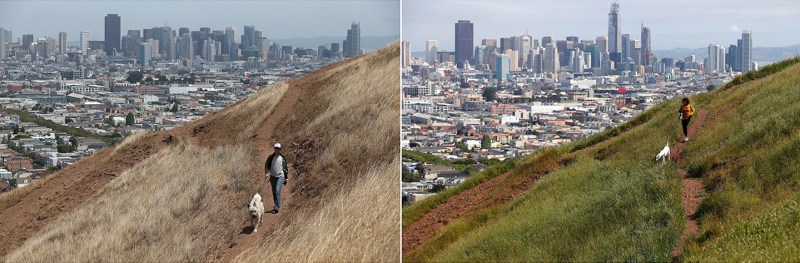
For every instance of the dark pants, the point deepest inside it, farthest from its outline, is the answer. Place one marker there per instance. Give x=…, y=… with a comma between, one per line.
x=685, y=124
x=277, y=183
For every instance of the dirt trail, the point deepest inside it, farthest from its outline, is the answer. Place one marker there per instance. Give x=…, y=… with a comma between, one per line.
x=261, y=147
x=24, y=212
x=692, y=191
x=492, y=192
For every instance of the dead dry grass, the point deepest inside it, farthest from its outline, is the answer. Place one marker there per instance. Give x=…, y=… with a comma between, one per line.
x=131, y=140
x=360, y=224
x=180, y=204
x=170, y=207
x=16, y=195
x=238, y=122
x=346, y=136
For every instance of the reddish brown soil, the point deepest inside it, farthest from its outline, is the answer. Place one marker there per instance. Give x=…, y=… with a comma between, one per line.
x=495, y=191
x=692, y=191
x=261, y=149
x=24, y=213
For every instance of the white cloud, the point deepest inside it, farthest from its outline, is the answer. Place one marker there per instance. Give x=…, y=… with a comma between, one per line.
x=735, y=28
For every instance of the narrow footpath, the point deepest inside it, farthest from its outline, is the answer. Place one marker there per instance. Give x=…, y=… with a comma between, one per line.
x=261, y=147
x=692, y=191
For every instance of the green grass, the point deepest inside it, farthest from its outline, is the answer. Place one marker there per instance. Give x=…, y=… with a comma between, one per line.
x=25, y=116
x=763, y=72
x=416, y=210
x=588, y=211
x=432, y=159
x=770, y=236
x=747, y=155
x=609, y=201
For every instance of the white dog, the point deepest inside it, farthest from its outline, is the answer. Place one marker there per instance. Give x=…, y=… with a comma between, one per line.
x=663, y=155
x=255, y=209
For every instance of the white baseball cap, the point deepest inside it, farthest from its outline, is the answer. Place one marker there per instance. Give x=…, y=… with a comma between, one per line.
x=278, y=145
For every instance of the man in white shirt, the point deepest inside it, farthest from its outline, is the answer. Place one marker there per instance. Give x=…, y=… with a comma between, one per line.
x=278, y=174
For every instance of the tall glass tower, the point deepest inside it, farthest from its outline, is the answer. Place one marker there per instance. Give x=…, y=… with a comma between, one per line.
x=614, y=33
x=464, y=42
x=113, y=34
x=746, y=50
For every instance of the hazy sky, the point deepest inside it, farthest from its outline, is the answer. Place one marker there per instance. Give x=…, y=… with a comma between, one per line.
x=673, y=23
x=278, y=19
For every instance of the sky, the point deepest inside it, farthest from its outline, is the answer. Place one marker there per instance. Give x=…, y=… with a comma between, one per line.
x=277, y=19
x=673, y=23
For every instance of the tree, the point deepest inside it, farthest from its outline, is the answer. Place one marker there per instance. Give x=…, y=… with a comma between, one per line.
x=16, y=129
x=490, y=94
x=73, y=141
x=486, y=142
x=437, y=188
x=420, y=169
x=65, y=148
x=174, y=107
x=408, y=176
x=149, y=79
x=134, y=77
x=129, y=120
x=462, y=146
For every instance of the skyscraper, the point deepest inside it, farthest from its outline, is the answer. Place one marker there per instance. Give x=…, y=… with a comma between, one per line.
x=112, y=33
x=145, y=54
x=716, y=59
x=62, y=42
x=626, y=51
x=249, y=37
x=130, y=45
x=464, y=42
x=352, y=45
x=230, y=34
x=550, y=61
x=547, y=40
x=746, y=49
x=185, y=48
x=731, y=57
x=84, y=40
x=602, y=45
x=503, y=68
x=406, y=54
x=526, y=42
x=431, y=47
x=614, y=33
x=646, y=48
x=2, y=43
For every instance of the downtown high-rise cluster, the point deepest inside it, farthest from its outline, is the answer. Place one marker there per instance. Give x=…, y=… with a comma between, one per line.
x=617, y=53
x=183, y=45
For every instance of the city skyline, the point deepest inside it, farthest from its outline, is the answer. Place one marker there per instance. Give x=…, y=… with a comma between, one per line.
x=381, y=20
x=673, y=26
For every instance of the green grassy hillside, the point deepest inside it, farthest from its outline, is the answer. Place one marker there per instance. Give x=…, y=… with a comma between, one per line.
x=608, y=199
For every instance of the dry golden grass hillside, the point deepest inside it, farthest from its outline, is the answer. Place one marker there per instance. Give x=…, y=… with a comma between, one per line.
x=167, y=208
x=184, y=201
x=346, y=146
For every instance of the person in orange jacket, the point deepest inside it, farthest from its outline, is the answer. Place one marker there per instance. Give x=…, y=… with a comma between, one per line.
x=686, y=111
